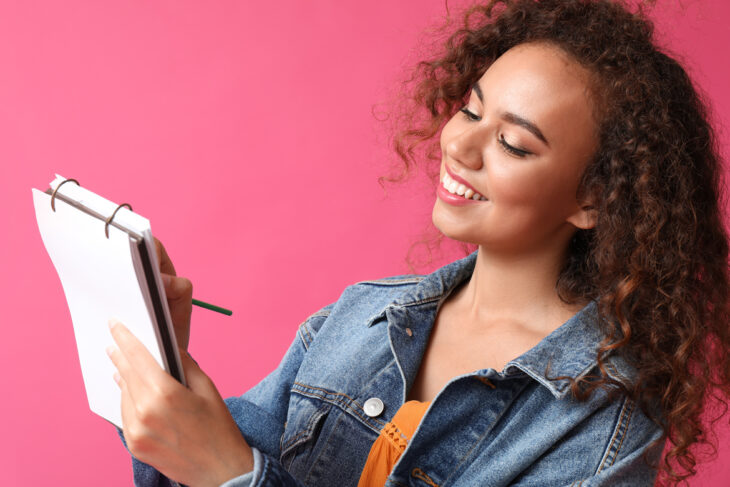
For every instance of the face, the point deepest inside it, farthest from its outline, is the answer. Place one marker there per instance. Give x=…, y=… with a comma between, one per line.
x=521, y=143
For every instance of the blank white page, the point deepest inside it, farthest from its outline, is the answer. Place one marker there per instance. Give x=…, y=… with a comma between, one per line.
x=99, y=280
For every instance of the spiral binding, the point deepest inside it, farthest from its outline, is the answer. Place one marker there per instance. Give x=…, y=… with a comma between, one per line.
x=108, y=220
x=53, y=196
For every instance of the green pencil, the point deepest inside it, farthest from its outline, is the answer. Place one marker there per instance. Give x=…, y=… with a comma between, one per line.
x=212, y=307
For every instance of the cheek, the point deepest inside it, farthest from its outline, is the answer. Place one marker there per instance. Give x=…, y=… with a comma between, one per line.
x=517, y=182
x=521, y=185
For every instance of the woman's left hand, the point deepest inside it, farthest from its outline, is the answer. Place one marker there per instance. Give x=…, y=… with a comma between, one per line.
x=187, y=433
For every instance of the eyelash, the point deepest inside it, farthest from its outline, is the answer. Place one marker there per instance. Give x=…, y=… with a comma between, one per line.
x=472, y=117
x=511, y=149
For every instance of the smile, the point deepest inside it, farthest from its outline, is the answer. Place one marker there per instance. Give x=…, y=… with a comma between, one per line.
x=457, y=188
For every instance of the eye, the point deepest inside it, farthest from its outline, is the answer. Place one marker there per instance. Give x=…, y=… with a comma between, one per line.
x=512, y=150
x=469, y=115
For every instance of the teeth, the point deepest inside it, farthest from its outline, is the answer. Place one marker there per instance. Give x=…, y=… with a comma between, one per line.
x=457, y=188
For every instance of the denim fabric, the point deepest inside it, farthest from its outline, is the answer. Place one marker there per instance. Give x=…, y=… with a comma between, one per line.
x=308, y=426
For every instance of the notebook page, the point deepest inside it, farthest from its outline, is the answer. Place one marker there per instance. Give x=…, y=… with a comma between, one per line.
x=100, y=282
x=141, y=226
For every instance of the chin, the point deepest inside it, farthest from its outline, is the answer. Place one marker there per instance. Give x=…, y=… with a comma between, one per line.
x=453, y=230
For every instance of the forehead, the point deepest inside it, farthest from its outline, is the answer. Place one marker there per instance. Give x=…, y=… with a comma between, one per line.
x=542, y=83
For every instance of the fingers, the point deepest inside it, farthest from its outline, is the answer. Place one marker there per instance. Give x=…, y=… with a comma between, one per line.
x=163, y=259
x=124, y=370
x=148, y=392
x=127, y=402
x=139, y=438
x=177, y=288
x=179, y=294
x=134, y=362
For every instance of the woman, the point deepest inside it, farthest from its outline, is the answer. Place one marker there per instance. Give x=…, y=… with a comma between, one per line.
x=588, y=327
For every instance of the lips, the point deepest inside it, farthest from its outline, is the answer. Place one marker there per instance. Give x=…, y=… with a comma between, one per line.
x=458, y=186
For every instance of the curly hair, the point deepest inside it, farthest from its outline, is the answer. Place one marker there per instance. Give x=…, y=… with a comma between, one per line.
x=657, y=260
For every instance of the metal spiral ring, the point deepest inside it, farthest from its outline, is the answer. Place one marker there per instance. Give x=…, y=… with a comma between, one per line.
x=109, y=220
x=53, y=196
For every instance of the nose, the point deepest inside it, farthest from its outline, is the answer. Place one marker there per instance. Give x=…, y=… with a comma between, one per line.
x=467, y=147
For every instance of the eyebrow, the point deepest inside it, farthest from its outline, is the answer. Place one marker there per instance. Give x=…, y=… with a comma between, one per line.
x=514, y=119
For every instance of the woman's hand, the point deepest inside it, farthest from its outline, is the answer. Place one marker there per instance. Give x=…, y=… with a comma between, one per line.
x=187, y=433
x=179, y=292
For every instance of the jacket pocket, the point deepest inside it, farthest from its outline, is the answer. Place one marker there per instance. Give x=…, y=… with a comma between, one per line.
x=302, y=429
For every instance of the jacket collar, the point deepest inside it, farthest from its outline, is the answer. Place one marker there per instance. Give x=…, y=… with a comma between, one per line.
x=440, y=283
x=432, y=287
x=569, y=350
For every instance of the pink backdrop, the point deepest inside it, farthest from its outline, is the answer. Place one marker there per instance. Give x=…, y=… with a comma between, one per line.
x=245, y=132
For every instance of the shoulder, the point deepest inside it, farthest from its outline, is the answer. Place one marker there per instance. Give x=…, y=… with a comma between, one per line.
x=358, y=302
x=377, y=293
x=393, y=281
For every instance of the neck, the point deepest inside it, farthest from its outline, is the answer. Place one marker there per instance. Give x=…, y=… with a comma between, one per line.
x=518, y=289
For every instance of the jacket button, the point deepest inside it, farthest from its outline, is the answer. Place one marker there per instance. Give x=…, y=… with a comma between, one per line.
x=373, y=407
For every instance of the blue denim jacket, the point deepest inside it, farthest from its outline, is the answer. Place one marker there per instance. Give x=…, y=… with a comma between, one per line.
x=308, y=424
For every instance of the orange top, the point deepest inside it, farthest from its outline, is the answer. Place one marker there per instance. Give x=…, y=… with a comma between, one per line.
x=392, y=441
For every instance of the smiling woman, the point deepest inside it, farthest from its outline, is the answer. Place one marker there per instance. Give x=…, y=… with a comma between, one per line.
x=589, y=326
x=496, y=147
x=527, y=212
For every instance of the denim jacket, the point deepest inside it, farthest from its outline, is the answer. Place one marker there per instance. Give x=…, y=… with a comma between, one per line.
x=312, y=421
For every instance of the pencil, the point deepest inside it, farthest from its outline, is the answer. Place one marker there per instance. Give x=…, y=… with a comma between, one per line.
x=212, y=307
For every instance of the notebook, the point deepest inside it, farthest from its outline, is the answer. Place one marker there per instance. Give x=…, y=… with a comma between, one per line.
x=107, y=270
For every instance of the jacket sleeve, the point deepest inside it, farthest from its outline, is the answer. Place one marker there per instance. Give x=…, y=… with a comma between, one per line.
x=260, y=415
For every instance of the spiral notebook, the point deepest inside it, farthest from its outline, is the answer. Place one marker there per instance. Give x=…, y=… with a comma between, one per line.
x=105, y=257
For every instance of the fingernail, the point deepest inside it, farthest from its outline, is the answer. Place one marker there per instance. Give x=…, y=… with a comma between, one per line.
x=111, y=323
x=116, y=377
x=109, y=350
x=166, y=279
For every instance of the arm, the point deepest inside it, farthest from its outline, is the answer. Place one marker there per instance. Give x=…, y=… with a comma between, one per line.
x=261, y=412
x=258, y=416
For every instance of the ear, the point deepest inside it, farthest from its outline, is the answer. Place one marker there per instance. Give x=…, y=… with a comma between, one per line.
x=585, y=218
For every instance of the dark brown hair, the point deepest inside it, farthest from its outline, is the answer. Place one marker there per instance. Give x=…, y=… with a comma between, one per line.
x=657, y=260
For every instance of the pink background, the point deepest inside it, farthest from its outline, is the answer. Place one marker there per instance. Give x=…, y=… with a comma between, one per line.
x=245, y=132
